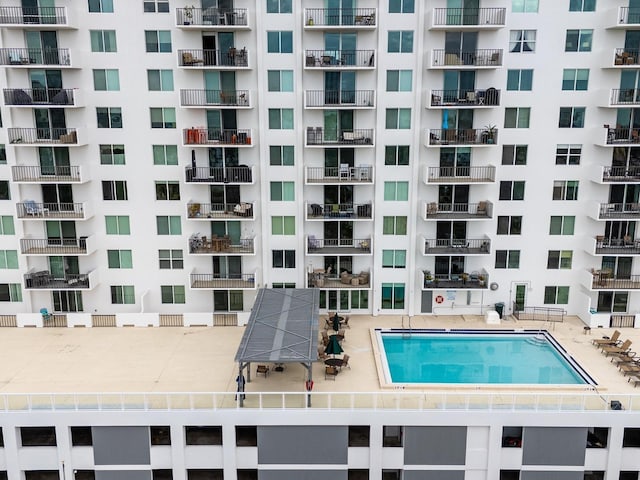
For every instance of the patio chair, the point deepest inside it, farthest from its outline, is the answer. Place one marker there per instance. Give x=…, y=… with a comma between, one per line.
x=609, y=350
x=325, y=338
x=346, y=322
x=45, y=314
x=635, y=378
x=601, y=342
x=321, y=354
x=330, y=372
x=341, y=333
x=345, y=362
x=263, y=369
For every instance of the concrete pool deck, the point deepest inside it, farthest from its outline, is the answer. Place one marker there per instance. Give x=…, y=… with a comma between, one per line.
x=199, y=359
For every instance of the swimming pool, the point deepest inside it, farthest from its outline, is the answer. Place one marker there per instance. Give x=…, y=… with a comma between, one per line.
x=477, y=357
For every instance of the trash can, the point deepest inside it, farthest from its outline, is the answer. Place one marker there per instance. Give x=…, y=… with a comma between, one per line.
x=500, y=309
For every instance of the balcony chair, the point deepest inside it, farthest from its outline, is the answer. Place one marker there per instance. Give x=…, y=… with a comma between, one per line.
x=344, y=171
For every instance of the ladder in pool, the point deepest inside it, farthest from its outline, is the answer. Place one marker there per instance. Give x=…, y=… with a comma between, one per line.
x=406, y=330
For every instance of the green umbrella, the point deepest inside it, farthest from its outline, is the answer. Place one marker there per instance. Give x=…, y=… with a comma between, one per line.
x=333, y=347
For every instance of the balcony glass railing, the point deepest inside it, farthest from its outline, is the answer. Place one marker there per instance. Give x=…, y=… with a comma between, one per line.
x=482, y=17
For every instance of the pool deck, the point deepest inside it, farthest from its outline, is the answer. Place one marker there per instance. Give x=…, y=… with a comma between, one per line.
x=199, y=359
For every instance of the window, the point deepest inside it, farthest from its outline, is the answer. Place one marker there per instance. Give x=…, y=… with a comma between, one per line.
x=280, y=42
x=6, y=225
x=206, y=474
x=400, y=41
x=163, y=117
x=168, y=225
x=157, y=41
x=396, y=191
x=103, y=41
x=511, y=190
x=568, y=154
x=3, y=154
x=283, y=285
x=114, y=190
x=393, y=296
x=117, y=224
x=394, y=258
x=398, y=118
x=5, y=192
x=631, y=437
x=279, y=6
x=514, y=154
x=281, y=118
x=401, y=6
x=582, y=5
x=519, y=80
x=284, y=258
x=168, y=190
x=204, y=435
x=112, y=154
x=100, y=6
x=283, y=192
x=8, y=259
x=524, y=6
x=556, y=295
x=10, y=292
x=578, y=41
x=280, y=80
x=559, y=259
x=575, y=79
x=562, y=225
x=565, y=190
x=123, y=295
x=391, y=474
x=228, y=301
x=517, y=117
x=281, y=155
x=391, y=436
x=165, y=154
x=109, y=117
x=67, y=301
x=160, y=80
x=81, y=437
x=170, y=259
x=172, y=293
x=399, y=80
x=509, y=225
x=38, y=436
x=283, y=225
x=106, y=80
x=571, y=117
x=359, y=435
x=522, y=41
x=394, y=225
x=119, y=258
x=160, y=6
x=396, y=155
x=507, y=258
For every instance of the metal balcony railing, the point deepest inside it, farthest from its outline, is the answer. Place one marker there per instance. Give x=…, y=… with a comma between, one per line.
x=340, y=17
x=456, y=246
x=198, y=244
x=212, y=16
x=465, y=98
x=624, y=246
x=486, y=57
x=57, y=97
x=335, y=98
x=53, y=246
x=231, y=58
x=53, y=173
x=344, y=173
x=358, y=136
x=472, y=280
x=229, y=280
x=241, y=174
x=339, y=210
x=619, y=210
x=220, y=210
x=629, y=16
x=461, y=174
x=50, y=210
x=33, y=15
x=199, y=97
x=465, y=136
x=602, y=280
x=216, y=136
x=622, y=135
x=42, y=135
x=626, y=56
x=459, y=210
x=346, y=59
x=357, y=245
x=625, y=96
x=469, y=16
x=45, y=279
x=620, y=174
x=35, y=56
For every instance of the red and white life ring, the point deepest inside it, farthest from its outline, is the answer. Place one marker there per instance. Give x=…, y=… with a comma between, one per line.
x=439, y=299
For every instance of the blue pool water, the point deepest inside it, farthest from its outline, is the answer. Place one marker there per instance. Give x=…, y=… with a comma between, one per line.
x=477, y=358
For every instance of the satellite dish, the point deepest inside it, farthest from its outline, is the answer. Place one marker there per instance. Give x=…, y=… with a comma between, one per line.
x=493, y=286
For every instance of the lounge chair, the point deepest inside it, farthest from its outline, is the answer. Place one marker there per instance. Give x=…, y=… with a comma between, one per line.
x=601, y=342
x=263, y=369
x=628, y=369
x=330, y=372
x=623, y=357
x=609, y=350
x=345, y=362
x=635, y=378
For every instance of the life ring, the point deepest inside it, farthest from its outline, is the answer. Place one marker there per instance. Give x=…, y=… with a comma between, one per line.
x=308, y=385
x=439, y=299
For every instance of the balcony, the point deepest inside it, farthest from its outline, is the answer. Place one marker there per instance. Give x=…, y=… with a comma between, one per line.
x=461, y=174
x=344, y=281
x=50, y=174
x=605, y=280
x=626, y=18
x=478, y=59
x=455, y=246
x=624, y=97
x=339, y=211
x=619, y=211
x=232, y=59
x=340, y=59
x=49, y=18
x=458, y=211
x=220, y=211
x=334, y=99
x=191, y=18
x=453, y=281
x=239, y=174
x=441, y=99
x=626, y=57
x=236, y=281
x=201, y=245
x=35, y=57
x=362, y=174
x=470, y=137
x=41, y=97
x=207, y=137
x=57, y=246
x=616, y=246
x=45, y=280
x=339, y=18
x=359, y=137
x=467, y=18
x=44, y=137
x=622, y=137
x=338, y=246
x=31, y=210
x=235, y=99
x=629, y=174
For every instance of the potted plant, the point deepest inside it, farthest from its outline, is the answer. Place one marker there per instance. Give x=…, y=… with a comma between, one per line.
x=428, y=278
x=481, y=280
x=489, y=134
x=194, y=210
x=188, y=14
x=464, y=277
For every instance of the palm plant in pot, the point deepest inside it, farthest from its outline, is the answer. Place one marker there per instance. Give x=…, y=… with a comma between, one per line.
x=188, y=14
x=489, y=134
